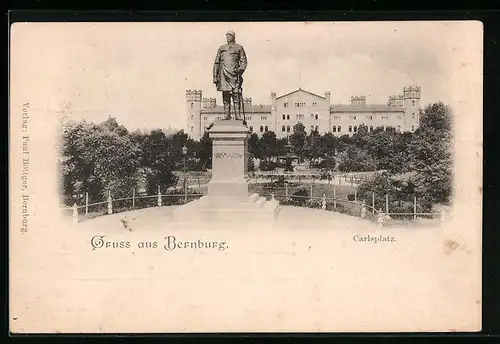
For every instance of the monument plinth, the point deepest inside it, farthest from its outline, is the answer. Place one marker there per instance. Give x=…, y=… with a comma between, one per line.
x=228, y=200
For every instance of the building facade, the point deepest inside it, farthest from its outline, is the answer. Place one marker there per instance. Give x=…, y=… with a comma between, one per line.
x=314, y=111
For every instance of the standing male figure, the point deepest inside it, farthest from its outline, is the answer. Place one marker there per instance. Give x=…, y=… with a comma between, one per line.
x=229, y=66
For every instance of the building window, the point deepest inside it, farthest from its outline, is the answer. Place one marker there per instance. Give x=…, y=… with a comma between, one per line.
x=412, y=128
x=265, y=129
x=251, y=129
x=192, y=129
x=314, y=104
x=283, y=128
x=312, y=127
x=286, y=104
x=317, y=128
x=399, y=117
x=249, y=118
x=412, y=103
x=192, y=117
x=283, y=116
x=334, y=129
x=287, y=116
x=355, y=129
x=336, y=117
x=413, y=115
x=398, y=128
x=369, y=117
x=287, y=128
x=371, y=127
x=312, y=116
x=192, y=105
x=205, y=128
x=339, y=128
x=205, y=118
x=385, y=117
x=353, y=117
x=263, y=118
x=261, y=129
x=350, y=128
x=316, y=116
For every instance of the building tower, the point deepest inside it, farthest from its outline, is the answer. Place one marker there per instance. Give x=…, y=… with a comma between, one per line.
x=411, y=101
x=193, y=104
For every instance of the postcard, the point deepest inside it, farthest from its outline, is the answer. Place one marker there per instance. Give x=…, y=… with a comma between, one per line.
x=245, y=177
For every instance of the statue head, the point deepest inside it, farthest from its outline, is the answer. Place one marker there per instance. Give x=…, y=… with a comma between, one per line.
x=230, y=36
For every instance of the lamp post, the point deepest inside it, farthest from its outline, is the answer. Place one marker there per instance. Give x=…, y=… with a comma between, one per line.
x=184, y=152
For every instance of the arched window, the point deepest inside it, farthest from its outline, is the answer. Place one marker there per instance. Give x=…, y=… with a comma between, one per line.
x=192, y=117
x=192, y=105
x=283, y=128
x=316, y=116
x=371, y=127
x=355, y=129
x=261, y=128
x=339, y=128
x=317, y=128
x=334, y=129
x=251, y=129
x=412, y=103
x=266, y=128
x=398, y=128
x=287, y=128
x=192, y=129
x=350, y=128
x=287, y=116
x=283, y=116
x=312, y=127
x=412, y=128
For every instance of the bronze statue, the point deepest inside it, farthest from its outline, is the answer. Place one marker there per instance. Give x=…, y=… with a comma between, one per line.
x=229, y=66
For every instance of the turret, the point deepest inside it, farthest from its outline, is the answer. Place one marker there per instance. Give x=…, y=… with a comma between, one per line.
x=193, y=103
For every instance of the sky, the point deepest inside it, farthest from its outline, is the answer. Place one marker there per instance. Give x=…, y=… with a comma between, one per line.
x=139, y=72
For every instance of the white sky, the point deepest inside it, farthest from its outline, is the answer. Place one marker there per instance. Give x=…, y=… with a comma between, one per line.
x=138, y=72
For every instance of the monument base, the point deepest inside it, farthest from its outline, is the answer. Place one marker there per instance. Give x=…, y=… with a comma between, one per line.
x=224, y=210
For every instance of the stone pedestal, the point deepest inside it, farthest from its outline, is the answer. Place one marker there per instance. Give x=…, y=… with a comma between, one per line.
x=228, y=200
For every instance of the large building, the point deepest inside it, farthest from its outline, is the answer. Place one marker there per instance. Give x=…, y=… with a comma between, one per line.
x=314, y=111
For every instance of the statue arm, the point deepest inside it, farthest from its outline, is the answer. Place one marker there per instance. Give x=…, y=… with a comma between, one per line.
x=243, y=61
x=216, y=67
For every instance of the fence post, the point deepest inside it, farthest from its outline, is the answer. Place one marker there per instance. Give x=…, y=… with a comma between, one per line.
x=380, y=218
x=387, y=204
x=334, y=198
x=363, y=210
x=110, y=204
x=75, y=213
x=159, y=196
x=323, y=202
x=133, y=197
x=373, y=203
x=86, y=203
x=414, y=208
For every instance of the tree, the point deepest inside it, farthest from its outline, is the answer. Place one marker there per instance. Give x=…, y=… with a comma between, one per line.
x=298, y=140
x=431, y=153
x=312, y=148
x=160, y=159
x=97, y=159
x=254, y=147
x=268, y=145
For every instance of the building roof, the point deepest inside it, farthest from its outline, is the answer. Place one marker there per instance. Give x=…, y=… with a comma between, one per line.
x=300, y=89
x=364, y=108
x=258, y=108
